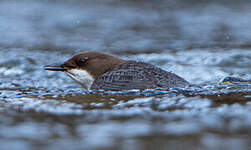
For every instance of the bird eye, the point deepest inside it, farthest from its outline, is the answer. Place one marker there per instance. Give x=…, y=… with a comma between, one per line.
x=82, y=61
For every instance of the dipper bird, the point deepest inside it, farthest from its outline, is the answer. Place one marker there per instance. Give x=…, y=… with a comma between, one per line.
x=99, y=71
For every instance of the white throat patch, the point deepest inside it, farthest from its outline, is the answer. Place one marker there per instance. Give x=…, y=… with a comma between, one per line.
x=81, y=76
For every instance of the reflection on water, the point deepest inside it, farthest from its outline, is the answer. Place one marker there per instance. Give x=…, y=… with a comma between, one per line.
x=202, y=41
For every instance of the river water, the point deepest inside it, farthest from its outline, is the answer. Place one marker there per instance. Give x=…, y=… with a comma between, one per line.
x=202, y=41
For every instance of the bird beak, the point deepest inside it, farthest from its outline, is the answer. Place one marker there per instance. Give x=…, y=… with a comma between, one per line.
x=55, y=68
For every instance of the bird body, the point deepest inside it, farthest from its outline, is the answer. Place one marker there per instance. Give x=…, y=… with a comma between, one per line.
x=98, y=71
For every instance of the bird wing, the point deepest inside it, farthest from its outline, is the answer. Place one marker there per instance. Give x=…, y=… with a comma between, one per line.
x=122, y=79
x=137, y=75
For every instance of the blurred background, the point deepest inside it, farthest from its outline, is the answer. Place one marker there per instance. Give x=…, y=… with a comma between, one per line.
x=200, y=40
x=128, y=25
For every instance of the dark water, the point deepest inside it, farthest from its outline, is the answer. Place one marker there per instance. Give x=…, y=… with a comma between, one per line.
x=202, y=41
